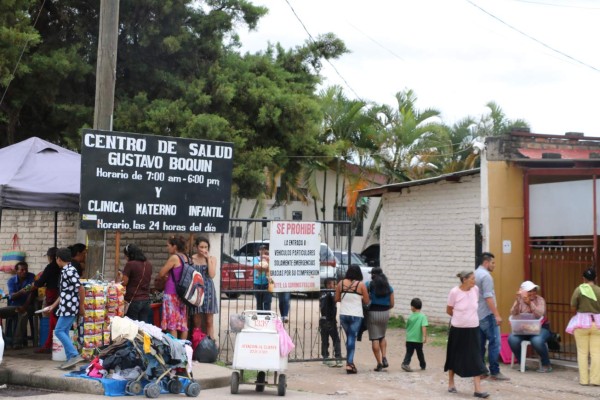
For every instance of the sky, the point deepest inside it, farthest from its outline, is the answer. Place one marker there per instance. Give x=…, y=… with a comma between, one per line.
x=537, y=59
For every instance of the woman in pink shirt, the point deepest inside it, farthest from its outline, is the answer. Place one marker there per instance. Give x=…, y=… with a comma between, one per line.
x=463, y=356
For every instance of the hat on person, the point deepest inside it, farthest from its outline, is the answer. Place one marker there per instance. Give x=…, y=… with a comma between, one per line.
x=528, y=286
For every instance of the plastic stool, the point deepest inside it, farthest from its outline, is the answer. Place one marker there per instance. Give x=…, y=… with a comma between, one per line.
x=524, y=345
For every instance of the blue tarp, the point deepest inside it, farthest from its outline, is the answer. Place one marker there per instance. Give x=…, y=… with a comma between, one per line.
x=115, y=387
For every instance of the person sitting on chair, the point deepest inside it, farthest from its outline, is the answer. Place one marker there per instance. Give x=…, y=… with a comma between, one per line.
x=528, y=301
x=19, y=287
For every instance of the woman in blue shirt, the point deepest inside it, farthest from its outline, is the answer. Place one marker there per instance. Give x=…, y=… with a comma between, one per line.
x=382, y=300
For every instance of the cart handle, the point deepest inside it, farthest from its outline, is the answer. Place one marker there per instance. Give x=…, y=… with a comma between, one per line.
x=255, y=313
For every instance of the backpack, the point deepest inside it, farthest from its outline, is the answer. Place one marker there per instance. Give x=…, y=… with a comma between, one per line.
x=190, y=287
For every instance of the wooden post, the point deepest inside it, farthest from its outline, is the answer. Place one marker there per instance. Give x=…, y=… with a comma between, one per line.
x=106, y=67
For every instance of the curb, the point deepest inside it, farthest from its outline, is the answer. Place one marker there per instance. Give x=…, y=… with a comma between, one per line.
x=24, y=369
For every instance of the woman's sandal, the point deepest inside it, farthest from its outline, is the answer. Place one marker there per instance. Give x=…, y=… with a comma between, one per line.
x=378, y=368
x=481, y=395
x=352, y=369
x=452, y=390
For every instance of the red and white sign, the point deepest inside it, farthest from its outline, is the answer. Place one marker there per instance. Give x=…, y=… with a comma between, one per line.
x=294, y=256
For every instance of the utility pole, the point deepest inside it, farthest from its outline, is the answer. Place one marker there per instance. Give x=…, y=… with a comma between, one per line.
x=106, y=66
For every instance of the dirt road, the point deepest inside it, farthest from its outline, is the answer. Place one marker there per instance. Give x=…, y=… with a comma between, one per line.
x=394, y=383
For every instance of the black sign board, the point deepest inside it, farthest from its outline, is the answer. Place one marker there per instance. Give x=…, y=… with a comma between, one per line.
x=154, y=183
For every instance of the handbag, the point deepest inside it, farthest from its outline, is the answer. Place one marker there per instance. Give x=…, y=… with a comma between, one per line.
x=271, y=284
x=11, y=257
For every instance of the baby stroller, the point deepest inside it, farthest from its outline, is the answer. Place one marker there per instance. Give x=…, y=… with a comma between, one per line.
x=165, y=362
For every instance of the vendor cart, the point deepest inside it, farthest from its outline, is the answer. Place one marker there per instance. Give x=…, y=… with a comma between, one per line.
x=257, y=348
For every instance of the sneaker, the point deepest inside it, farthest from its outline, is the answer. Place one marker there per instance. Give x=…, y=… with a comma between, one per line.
x=286, y=320
x=499, y=377
x=72, y=362
x=384, y=362
x=406, y=368
x=544, y=370
x=328, y=363
x=338, y=364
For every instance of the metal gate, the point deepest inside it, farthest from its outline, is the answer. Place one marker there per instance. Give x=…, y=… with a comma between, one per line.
x=238, y=294
x=556, y=265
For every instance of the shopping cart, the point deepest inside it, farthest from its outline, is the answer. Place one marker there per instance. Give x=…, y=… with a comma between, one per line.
x=257, y=348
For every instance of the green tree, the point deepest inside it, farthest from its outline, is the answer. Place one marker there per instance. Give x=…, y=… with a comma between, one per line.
x=179, y=73
x=496, y=123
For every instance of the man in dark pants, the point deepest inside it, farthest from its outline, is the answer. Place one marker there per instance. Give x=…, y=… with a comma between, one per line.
x=328, y=325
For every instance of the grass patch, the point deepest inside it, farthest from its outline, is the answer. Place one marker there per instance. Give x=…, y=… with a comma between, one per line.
x=250, y=375
x=437, y=335
x=397, y=322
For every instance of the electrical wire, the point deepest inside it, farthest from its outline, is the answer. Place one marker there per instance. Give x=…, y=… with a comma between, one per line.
x=329, y=62
x=21, y=55
x=542, y=3
x=532, y=38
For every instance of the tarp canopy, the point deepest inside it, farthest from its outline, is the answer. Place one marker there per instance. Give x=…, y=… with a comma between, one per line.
x=36, y=174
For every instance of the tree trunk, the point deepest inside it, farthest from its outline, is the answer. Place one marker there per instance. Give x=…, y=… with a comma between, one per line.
x=373, y=223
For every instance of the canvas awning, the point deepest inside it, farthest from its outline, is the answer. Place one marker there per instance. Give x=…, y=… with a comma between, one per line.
x=36, y=174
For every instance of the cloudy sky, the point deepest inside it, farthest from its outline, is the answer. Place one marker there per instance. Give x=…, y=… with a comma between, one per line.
x=538, y=59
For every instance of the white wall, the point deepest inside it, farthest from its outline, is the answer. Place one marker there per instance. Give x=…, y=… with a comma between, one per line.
x=428, y=236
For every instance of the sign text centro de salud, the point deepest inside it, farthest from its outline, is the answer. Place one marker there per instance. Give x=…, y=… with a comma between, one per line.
x=154, y=183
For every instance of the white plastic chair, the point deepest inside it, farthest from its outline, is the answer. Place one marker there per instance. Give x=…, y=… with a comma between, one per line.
x=524, y=345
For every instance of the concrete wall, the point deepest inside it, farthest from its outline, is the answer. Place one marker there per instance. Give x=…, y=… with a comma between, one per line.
x=36, y=234
x=428, y=236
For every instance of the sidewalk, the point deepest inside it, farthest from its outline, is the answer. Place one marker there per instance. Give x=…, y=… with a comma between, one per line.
x=24, y=367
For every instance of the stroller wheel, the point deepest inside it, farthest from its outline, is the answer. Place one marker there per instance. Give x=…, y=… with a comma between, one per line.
x=152, y=390
x=133, y=387
x=260, y=381
x=175, y=386
x=192, y=390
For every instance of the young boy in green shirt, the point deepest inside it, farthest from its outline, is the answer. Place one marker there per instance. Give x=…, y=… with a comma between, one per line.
x=416, y=335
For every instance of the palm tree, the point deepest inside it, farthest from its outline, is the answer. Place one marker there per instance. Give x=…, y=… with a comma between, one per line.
x=496, y=123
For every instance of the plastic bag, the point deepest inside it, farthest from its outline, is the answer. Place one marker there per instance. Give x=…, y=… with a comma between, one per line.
x=197, y=336
x=286, y=345
x=236, y=323
x=11, y=257
x=207, y=351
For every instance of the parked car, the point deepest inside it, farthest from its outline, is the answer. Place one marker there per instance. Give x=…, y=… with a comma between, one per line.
x=236, y=277
x=327, y=260
x=355, y=259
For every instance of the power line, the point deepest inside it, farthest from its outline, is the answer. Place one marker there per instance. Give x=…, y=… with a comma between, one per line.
x=377, y=43
x=532, y=38
x=21, y=55
x=329, y=62
x=542, y=3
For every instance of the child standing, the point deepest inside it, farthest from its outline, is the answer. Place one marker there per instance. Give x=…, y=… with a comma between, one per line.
x=416, y=335
x=328, y=325
x=70, y=305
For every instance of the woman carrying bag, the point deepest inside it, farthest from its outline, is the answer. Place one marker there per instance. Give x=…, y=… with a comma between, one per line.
x=137, y=276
